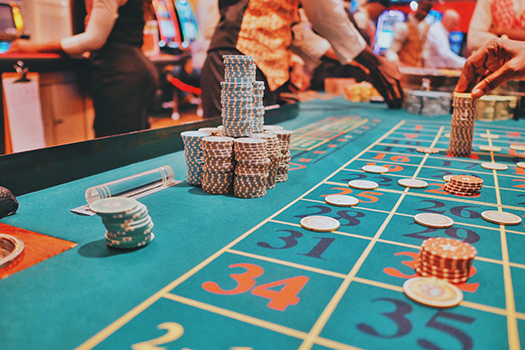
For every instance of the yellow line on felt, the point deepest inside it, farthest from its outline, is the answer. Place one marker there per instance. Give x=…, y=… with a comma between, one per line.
x=326, y=127
x=364, y=121
x=287, y=263
x=512, y=322
x=237, y=316
x=106, y=332
x=329, y=309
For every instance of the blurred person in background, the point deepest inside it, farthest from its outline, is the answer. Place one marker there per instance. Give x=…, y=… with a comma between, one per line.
x=438, y=51
x=124, y=81
x=410, y=37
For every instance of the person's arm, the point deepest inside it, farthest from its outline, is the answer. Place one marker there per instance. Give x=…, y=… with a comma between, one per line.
x=479, y=29
x=439, y=41
x=101, y=21
x=497, y=62
x=103, y=15
x=329, y=19
x=308, y=45
x=513, y=34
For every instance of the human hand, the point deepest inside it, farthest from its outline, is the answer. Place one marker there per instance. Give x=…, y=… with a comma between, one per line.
x=22, y=46
x=384, y=76
x=300, y=81
x=495, y=63
x=496, y=30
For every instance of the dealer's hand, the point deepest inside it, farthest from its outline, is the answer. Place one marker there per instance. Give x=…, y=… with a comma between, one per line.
x=495, y=63
x=384, y=76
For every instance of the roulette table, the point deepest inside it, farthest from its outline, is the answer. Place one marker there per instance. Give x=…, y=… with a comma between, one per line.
x=232, y=273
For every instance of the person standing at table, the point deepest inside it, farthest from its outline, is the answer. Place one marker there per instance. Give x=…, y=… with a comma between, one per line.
x=440, y=55
x=124, y=81
x=409, y=37
x=262, y=28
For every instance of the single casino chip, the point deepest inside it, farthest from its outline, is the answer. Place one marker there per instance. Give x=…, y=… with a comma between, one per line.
x=489, y=148
x=427, y=150
x=341, y=200
x=447, y=178
x=320, y=223
x=494, y=166
x=489, y=136
x=432, y=292
x=375, y=169
x=412, y=183
x=363, y=184
x=501, y=217
x=433, y=220
x=517, y=147
x=521, y=165
x=113, y=205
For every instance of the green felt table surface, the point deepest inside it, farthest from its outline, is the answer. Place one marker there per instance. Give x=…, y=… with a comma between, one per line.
x=64, y=301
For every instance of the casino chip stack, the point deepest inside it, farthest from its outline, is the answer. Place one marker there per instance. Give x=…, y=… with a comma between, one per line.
x=237, y=95
x=192, y=151
x=273, y=148
x=462, y=125
x=251, y=171
x=464, y=185
x=428, y=103
x=258, y=108
x=127, y=222
x=217, y=170
x=284, y=137
x=446, y=258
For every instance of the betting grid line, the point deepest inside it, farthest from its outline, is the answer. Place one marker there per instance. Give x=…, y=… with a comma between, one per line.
x=327, y=128
x=330, y=308
x=512, y=322
x=120, y=322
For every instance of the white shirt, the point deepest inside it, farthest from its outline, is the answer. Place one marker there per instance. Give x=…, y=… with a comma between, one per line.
x=308, y=45
x=102, y=18
x=437, y=50
x=481, y=22
x=329, y=19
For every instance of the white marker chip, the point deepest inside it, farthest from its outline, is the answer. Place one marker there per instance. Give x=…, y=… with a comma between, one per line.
x=521, y=165
x=447, y=136
x=320, y=223
x=517, y=147
x=494, y=166
x=489, y=136
x=340, y=200
x=501, y=217
x=427, y=150
x=363, y=184
x=433, y=220
x=489, y=148
x=447, y=178
x=375, y=169
x=412, y=183
x=432, y=292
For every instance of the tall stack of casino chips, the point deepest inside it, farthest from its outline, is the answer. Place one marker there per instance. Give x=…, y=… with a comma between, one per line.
x=251, y=170
x=193, y=154
x=218, y=166
x=237, y=95
x=128, y=224
x=285, y=137
x=462, y=125
x=445, y=258
x=258, y=107
x=464, y=185
x=273, y=148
